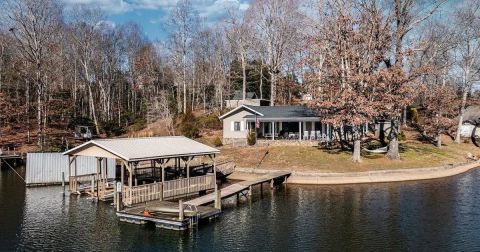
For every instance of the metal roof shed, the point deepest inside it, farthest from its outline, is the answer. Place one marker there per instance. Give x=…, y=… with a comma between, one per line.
x=157, y=150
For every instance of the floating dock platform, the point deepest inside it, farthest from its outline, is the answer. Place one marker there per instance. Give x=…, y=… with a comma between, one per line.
x=165, y=214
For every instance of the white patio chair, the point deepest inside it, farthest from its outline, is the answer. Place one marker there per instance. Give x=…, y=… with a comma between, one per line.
x=305, y=135
x=318, y=134
x=312, y=135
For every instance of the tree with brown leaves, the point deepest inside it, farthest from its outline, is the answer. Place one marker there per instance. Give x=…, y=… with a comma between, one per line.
x=441, y=108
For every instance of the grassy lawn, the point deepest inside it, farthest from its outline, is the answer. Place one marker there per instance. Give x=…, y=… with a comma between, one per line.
x=302, y=158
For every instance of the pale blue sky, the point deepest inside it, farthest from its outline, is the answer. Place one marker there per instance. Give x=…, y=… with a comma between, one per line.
x=152, y=14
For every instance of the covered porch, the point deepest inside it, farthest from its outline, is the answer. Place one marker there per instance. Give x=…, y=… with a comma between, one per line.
x=285, y=129
x=158, y=168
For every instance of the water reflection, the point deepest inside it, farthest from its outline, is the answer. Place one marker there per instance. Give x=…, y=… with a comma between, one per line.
x=434, y=215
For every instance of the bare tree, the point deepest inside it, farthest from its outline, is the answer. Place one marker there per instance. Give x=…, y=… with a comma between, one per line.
x=34, y=25
x=184, y=21
x=277, y=23
x=467, y=27
x=240, y=40
x=85, y=36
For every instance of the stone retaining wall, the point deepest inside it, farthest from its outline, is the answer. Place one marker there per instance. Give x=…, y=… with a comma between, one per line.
x=380, y=176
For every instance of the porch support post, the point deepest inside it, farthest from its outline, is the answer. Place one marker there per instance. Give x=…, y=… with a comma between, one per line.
x=273, y=130
x=313, y=128
x=299, y=131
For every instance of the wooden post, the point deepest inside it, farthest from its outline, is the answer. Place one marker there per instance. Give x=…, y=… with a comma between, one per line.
x=250, y=192
x=122, y=173
x=63, y=182
x=162, y=164
x=180, y=210
x=115, y=194
x=119, y=197
x=75, y=175
x=271, y=184
x=162, y=167
x=218, y=198
x=130, y=185
x=93, y=186
x=97, y=176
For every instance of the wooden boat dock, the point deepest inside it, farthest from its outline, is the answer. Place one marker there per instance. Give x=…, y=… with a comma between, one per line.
x=182, y=215
x=10, y=157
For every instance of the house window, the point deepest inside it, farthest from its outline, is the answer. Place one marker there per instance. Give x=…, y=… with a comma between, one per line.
x=236, y=126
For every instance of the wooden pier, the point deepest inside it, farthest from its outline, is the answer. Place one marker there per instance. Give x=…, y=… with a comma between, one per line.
x=240, y=188
x=10, y=157
x=182, y=215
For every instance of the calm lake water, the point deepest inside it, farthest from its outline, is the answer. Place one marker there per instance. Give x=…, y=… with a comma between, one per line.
x=442, y=215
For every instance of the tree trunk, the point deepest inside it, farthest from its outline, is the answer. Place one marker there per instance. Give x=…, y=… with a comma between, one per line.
x=39, y=117
x=244, y=76
x=92, y=109
x=439, y=139
x=460, y=118
x=272, y=88
x=184, y=83
x=393, y=149
x=261, y=79
x=356, y=151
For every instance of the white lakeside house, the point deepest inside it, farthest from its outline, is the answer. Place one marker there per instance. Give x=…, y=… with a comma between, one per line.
x=273, y=123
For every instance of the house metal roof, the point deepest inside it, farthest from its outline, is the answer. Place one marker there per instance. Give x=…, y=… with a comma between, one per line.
x=136, y=149
x=282, y=111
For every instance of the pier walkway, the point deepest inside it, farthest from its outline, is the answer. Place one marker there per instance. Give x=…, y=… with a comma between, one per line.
x=239, y=188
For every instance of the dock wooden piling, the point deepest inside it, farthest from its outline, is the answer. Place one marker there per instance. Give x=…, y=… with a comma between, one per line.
x=218, y=199
x=63, y=182
x=180, y=210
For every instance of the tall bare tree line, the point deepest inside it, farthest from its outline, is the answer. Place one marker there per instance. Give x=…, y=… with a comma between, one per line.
x=64, y=64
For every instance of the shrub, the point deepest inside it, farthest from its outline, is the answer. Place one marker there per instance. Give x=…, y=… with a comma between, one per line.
x=210, y=121
x=402, y=136
x=139, y=124
x=189, y=126
x=413, y=115
x=217, y=142
x=252, y=138
x=111, y=128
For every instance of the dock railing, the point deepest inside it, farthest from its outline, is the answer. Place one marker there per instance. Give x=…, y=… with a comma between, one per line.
x=142, y=193
x=186, y=186
x=75, y=182
x=168, y=189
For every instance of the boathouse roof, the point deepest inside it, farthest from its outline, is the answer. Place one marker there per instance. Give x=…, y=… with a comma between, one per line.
x=137, y=149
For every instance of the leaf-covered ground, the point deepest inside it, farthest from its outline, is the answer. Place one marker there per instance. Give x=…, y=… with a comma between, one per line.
x=302, y=158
